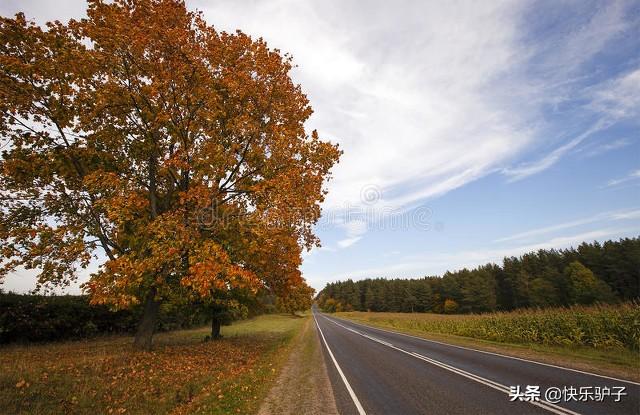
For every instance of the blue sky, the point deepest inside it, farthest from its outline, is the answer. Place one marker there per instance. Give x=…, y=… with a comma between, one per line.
x=470, y=130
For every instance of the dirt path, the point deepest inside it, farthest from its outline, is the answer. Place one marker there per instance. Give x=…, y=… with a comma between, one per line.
x=303, y=387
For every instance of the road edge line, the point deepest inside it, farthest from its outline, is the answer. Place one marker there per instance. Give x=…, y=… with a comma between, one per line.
x=344, y=378
x=548, y=406
x=491, y=353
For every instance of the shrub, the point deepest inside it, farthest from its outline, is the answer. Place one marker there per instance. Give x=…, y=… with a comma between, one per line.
x=450, y=306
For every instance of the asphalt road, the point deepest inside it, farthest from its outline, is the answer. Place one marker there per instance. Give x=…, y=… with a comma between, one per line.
x=374, y=371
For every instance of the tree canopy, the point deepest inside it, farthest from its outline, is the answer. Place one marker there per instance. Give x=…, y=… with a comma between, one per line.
x=174, y=154
x=297, y=299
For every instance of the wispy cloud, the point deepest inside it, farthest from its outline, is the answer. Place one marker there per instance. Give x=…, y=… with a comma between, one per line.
x=584, y=40
x=632, y=176
x=601, y=217
x=618, y=98
x=407, y=111
x=609, y=102
x=431, y=263
x=345, y=243
x=598, y=149
x=531, y=168
x=355, y=229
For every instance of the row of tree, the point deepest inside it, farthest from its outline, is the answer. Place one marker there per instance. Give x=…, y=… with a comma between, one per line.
x=172, y=155
x=592, y=272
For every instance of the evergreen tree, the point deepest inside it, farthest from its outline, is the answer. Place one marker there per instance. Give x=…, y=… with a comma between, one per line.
x=594, y=272
x=542, y=293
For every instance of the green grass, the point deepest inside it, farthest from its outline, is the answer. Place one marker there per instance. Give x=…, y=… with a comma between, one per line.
x=272, y=324
x=182, y=375
x=245, y=394
x=604, y=339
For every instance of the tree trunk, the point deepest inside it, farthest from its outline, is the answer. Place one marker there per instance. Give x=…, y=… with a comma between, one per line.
x=215, y=329
x=147, y=324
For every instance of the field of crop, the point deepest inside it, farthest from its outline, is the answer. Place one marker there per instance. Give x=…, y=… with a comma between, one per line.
x=604, y=327
x=182, y=375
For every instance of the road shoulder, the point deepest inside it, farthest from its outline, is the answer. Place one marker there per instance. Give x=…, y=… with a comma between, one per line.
x=303, y=386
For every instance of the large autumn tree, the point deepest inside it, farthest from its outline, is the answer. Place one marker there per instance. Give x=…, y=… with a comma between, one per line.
x=174, y=154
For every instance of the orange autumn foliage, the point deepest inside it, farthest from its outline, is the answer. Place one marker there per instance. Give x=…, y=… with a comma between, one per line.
x=105, y=375
x=297, y=298
x=145, y=139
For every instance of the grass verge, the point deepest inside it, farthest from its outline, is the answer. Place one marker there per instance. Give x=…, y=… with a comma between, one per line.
x=303, y=386
x=617, y=362
x=181, y=375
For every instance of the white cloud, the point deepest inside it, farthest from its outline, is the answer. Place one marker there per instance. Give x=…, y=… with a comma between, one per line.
x=601, y=217
x=403, y=89
x=614, y=145
x=559, y=62
x=596, y=150
x=582, y=42
x=531, y=168
x=624, y=215
x=44, y=11
x=430, y=263
x=24, y=280
x=345, y=243
x=423, y=97
x=355, y=229
x=620, y=97
x=632, y=176
x=611, y=100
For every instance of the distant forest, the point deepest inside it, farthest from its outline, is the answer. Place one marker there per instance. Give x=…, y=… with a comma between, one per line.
x=593, y=272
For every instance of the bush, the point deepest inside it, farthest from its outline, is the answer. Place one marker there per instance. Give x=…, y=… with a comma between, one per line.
x=450, y=306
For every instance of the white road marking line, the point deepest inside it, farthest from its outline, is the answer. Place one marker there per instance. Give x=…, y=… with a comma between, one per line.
x=365, y=335
x=344, y=378
x=495, y=385
x=493, y=353
x=378, y=340
x=487, y=382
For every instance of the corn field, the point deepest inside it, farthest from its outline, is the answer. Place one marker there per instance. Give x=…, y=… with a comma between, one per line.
x=604, y=327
